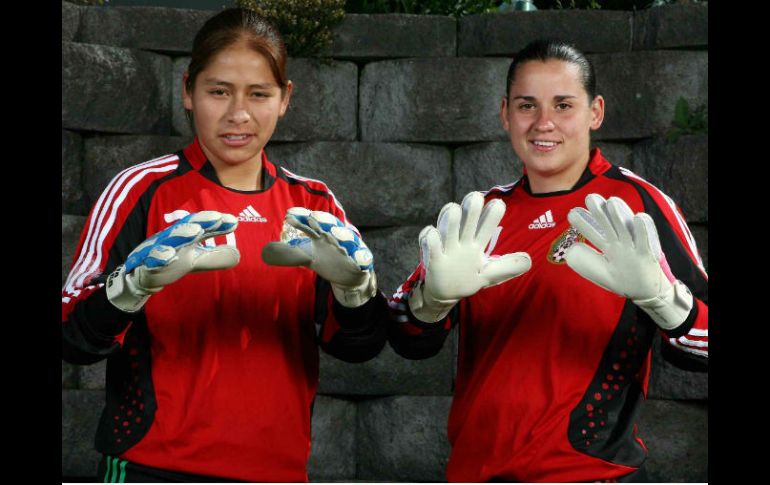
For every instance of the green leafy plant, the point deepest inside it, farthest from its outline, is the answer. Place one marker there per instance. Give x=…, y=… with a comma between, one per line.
x=306, y=25
x=687, y=121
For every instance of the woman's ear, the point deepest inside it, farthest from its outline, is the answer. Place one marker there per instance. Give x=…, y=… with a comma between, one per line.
x=597, y=112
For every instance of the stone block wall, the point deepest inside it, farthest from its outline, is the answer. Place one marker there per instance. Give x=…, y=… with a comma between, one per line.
x=404, y=110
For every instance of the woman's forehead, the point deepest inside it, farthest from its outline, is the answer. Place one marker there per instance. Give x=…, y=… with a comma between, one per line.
x=545, y=76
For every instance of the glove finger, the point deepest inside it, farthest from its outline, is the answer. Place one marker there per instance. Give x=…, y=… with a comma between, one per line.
x=282, y=254
x=491, y=216
x=326, y=220
x=352, y=246
x=159, y=256
x=648, y=243
x=584, y=222
x=218, y=257
x=213, y=222
x=499, y=270
x=160, y=268
x=300, y=222
x=646, y=236
x=621, y=217
x=430, y=245
x=589, y=264
x=181, y=235
x=448, y=225
x=471, y=206
x=364, y=259
x=597, y=206
x=137, y=256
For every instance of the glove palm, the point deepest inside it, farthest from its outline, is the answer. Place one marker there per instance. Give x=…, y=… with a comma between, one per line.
x=453, y=257
x=631, y=262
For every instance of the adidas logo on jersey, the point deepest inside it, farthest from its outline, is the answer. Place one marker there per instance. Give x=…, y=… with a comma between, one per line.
x=249, y=214
x=543, y=222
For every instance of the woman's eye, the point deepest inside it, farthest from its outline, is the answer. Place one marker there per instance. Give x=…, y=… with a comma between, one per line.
x=563, y=106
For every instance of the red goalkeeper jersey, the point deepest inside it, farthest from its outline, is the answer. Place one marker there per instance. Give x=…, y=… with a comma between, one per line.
x=218, y=373
x=552, y=368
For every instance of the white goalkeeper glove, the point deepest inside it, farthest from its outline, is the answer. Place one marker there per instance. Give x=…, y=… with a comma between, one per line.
x=453, y=257
x=170, y=254
x=321, y=242
x=631, y=262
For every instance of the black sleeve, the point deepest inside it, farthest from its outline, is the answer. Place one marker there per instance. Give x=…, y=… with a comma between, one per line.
x=90, y=332
x=350, y=334
x=687, y=270
x=414, y=339
x=91, y=327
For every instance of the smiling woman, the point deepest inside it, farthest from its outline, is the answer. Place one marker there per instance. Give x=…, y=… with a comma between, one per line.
x=555, y=338
x=547, y=114
x=212, y=376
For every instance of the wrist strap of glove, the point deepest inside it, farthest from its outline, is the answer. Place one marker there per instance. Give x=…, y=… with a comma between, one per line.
x=123, y=292
x=355, y=296
x=426, y=308
x=670, y=309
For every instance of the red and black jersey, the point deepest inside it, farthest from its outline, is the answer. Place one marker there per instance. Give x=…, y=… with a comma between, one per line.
x=217, y=374
x=551, y=367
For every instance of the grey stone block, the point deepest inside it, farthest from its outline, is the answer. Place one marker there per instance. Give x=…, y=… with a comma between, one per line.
x=670, y=382
x=106, y=156
x=333, y=455
x=72, y=195
x=433, y=100
x=396, y=254
x=390, y=374
x=679, y=169
x=179, y=121
x=70, y=21
x=80, y=411
x=151, y=28
x=71, y=227
x=676, y=434
x=641, y=90
x=681, y=25
x=116, y=90
x=394, y=35
x=324, y=103
x=364, y=175
x=504, y=34
x=484, y=165
x=93, y=377
x=69, y=375
x=701, y=234
x=403, y=439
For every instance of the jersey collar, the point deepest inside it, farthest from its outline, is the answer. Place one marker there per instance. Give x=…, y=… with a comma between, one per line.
x=198, y=161
x=597, y=165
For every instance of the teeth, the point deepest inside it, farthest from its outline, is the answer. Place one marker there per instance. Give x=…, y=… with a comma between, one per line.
x=545, y=143
x=235, y=137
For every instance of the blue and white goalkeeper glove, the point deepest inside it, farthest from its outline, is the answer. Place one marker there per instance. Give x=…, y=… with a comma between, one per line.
x=453, y=257
x=631, y=263
x=321, y=242
x=170, y=254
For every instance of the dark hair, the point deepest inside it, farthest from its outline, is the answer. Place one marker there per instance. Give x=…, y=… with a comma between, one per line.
x=228, y=27
x=545, y=49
